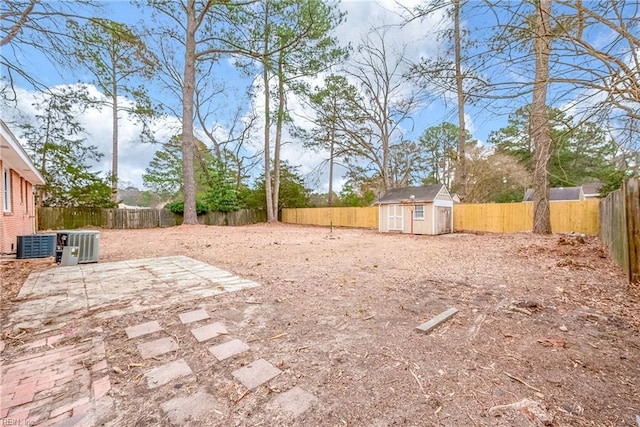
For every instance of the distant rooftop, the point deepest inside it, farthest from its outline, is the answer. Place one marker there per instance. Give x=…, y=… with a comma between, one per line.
x=558, y=194
x=592, y=189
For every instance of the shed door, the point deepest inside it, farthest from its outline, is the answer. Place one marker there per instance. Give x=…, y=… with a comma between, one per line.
x=395, y=219
x=443, y=220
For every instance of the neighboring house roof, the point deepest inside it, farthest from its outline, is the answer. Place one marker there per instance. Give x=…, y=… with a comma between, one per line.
x=15, y=156
x=124, y=206
x=558, y=194
x=428, y=193
x=592, y=190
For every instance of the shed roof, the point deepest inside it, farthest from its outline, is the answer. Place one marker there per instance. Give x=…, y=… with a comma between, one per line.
x=427, y=193
x=558, y=194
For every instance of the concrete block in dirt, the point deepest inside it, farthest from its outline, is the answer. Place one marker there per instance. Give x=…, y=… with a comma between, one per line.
x=228, y=349
x=157, y=347
x=193, y=316
x=209, y=331
x=257, y=373
x=199, y=407
x=143, y=329
x=167, y=373
x=427, y=327
x=296, y=401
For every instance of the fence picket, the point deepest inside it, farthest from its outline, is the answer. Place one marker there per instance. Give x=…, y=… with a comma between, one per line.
x=71, y=218
x=578, y=217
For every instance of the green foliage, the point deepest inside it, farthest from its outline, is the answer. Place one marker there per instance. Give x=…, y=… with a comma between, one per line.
x=215, y=183
x=252, y=198
x=613, y=181
x=164, y=173
x=115, y=54
x=438, y=153
x=177, y=207
x=60, y=153
x=580, y=153
x=222, y=195
x=132, y=196
x=330, y=103
x=90, y=191
x=321, y=200
x=349, y=197
x=147, y=199
x=293, y=193
x=508, y=197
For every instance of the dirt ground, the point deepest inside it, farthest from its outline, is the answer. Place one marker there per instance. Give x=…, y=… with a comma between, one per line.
x=547, y=333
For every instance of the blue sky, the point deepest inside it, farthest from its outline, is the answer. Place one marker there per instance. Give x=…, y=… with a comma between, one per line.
x=419, y=38
x=134, y=158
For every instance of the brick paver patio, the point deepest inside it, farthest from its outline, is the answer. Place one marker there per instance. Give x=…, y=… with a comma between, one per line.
x=62, y=376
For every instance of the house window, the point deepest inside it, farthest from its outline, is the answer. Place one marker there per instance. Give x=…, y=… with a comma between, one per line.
x=6, y=190
x=418, y=212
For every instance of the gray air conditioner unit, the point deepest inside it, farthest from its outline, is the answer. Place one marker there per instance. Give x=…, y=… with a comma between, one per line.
x=36, y=246
x=88, y=242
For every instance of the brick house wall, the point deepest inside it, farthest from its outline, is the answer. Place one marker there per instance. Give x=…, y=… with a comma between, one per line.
x=19, y=218
x=18, y=176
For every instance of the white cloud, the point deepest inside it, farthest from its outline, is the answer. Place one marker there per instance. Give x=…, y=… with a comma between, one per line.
x=133, y=155
x=417, y=39
x=362, y=15
x=420, y=35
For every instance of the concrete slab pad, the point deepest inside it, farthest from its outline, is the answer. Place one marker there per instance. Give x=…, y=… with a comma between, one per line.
x=228, y=349
x=193, y=316
x=256, y=373
x=117, y=288
x=167, y=373
x=157, y=347
x=209, y=331
x=193, y=409
x=296, y=401
x=143, y=329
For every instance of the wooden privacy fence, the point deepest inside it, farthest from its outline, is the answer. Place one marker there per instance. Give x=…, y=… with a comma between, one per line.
x=620, y=227
x=339, y=217
x=71, y=218
x=566, y=217
x=579, y=217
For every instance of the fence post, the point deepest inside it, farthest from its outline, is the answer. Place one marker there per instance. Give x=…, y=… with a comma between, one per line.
x=631, y=195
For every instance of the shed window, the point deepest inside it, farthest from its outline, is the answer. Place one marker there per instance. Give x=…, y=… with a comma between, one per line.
x=418, y=212
x=6, y=190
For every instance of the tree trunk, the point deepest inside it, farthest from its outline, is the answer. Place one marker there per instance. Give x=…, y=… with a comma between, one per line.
x=189, y=183
x=42, y=194
x=267, y=119
x=461, y=169
x=331, y=153
x=385, y=156
x=539, y=119
x=114, y=135
x=278, y=142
